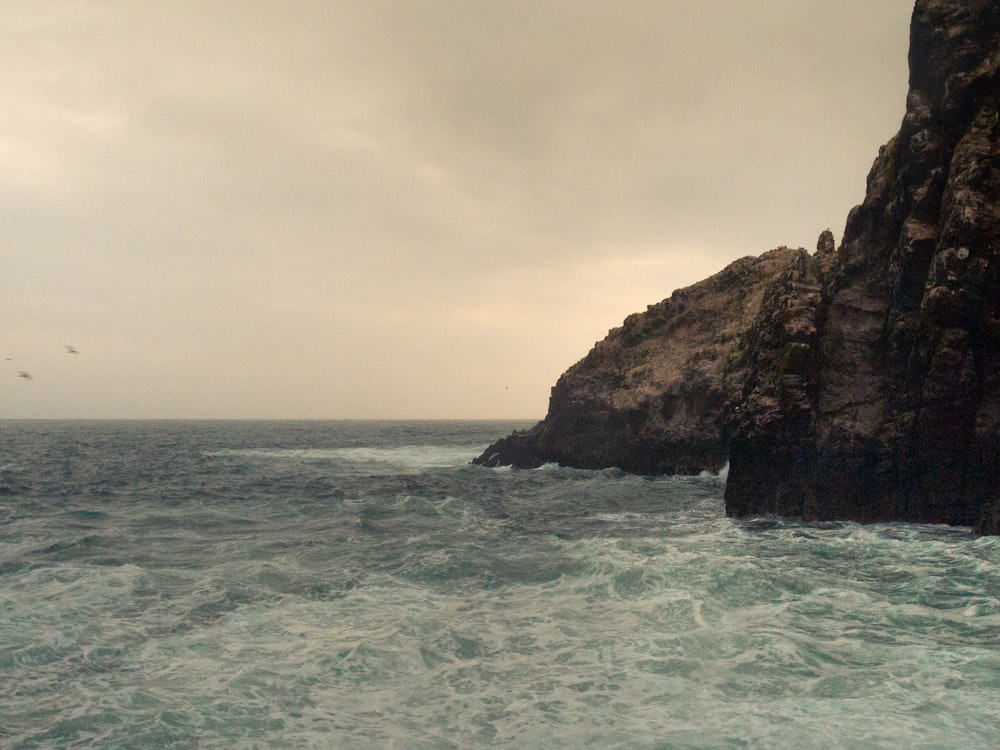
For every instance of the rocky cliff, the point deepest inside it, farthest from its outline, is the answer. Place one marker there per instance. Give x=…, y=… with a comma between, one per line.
x=651, y=397
x=898, y=413
x=859, y=383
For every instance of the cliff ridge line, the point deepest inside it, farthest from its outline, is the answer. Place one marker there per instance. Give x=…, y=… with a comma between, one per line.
x=861, y=382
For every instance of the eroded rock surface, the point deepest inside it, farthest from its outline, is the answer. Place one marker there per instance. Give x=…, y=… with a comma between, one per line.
x=896, y=412
x=651, y=397
x=859, y=383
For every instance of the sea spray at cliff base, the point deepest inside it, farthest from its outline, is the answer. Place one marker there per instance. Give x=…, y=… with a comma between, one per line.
x=353, y=584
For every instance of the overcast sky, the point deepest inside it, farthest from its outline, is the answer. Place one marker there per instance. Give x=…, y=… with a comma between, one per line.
x=401, y=209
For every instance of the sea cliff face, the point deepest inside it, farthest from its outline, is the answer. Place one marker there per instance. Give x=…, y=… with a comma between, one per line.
x=652, y=397
x=858, y=383
x=898, y=413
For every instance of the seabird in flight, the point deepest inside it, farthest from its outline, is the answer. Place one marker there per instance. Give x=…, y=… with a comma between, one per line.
x=23, y=374
x=71, y=350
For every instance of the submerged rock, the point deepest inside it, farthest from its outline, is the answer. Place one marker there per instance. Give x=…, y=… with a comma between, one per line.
x=860, y=383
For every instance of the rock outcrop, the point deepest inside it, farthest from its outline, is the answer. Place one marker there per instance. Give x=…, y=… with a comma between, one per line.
x=652, y=397
x=895, y=410
x=859, y=383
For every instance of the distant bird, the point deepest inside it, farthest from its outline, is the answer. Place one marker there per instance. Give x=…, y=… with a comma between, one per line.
x=71, y=350
x=25, y=375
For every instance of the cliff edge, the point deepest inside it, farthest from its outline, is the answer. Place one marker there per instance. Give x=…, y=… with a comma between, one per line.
x=899, y=414
x=857, y=383
x=651, y=397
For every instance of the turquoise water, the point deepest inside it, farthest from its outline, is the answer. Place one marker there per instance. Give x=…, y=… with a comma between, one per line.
x=359, y=584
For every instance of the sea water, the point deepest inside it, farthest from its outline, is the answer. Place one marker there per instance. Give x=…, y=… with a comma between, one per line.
x=361, y=585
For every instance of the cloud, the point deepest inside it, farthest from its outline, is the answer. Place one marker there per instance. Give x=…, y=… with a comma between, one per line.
x=404, y=202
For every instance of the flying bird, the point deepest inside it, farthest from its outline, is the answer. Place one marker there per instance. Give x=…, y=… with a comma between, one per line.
x=71, y=349
x=23, y=374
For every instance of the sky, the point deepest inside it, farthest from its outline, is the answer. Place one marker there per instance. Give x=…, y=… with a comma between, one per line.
x=401, y=209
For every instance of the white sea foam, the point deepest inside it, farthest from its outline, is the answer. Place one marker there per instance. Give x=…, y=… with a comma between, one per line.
x=722, y=473
x=403, y=457
x=291, y=599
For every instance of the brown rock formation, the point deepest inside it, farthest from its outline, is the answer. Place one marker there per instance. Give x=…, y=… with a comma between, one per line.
x=650, y=398
x=862, y=383
x=898, y=413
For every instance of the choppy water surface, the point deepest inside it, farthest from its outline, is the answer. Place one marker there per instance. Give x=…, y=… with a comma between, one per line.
x=338, y=584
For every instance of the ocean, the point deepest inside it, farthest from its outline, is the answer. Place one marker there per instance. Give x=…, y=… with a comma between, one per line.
x=361, y=585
